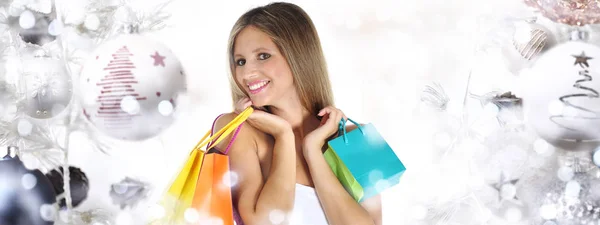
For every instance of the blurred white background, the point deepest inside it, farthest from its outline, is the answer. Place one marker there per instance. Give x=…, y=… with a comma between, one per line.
x=380, y=55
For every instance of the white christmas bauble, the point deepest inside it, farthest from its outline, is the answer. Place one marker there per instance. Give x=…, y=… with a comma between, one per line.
x=561, y=96
x=46, y=85
x=129, y=87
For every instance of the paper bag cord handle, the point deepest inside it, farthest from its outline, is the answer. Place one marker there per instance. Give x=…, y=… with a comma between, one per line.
x=343, y=128
x=226, y=130
x=232, y=139
x=212, y=131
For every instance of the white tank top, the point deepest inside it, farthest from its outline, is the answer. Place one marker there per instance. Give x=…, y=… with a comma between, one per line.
x=307, y=208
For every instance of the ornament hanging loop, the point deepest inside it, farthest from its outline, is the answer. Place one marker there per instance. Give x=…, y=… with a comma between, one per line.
x=131, y=28
x=12, y=151
x=579, y=34
x=532, y=19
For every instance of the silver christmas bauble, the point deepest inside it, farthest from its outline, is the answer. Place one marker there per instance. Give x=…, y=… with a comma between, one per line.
x=47, y=87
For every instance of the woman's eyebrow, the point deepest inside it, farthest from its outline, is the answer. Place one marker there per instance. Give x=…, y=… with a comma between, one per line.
x=253, y=51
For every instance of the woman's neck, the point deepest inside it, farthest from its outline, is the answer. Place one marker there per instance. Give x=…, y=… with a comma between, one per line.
x=291, y=110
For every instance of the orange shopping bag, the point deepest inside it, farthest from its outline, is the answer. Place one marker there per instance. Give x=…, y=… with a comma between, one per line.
x=201, y=194
x=213, y=194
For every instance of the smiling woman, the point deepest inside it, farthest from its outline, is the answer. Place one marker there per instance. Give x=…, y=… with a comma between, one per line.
x=277, y=66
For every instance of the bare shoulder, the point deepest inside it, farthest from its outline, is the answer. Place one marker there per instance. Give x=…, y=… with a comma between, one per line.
x=245, y=136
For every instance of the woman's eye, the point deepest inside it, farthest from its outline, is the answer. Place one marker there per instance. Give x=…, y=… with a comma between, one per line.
x=240, y=62
x=263, y=56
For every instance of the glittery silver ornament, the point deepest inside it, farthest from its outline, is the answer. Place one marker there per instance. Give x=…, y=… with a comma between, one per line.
x=89, y=217
x=580, y=162
x=572, y=202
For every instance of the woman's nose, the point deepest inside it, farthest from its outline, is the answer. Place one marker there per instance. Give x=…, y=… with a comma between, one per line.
x=251, y=69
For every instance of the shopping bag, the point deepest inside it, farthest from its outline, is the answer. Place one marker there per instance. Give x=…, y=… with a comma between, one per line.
x=201, y=189
x=363, y=161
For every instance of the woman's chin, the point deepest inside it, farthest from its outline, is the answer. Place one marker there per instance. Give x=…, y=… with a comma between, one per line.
x=259, y=104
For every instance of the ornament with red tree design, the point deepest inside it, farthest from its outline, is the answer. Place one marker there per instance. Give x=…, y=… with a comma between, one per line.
x=129, y=87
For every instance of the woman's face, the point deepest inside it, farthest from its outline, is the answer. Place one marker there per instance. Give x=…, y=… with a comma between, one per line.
x=260, y=68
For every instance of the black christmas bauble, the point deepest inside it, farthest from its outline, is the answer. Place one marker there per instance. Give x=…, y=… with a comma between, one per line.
x=78, y=181
x=26, y=196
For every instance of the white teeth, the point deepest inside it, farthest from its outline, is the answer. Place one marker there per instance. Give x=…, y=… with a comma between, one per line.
x=258, y=85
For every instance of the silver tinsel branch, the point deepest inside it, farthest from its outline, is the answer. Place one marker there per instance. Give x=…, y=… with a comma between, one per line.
x=45, y=144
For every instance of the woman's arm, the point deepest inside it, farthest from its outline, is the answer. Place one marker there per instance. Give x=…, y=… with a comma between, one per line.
x=257, y=198
x=340, y=208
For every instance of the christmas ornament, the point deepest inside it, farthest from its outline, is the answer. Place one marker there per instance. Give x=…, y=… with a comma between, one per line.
x=561, y=99
x=26, y=196
x=579, y=162
x=572, y=202
x=531, y=39
x=47, y=87
x=93, y=217
x=570, y=12
x=130, y=86
x=79, y=188
x=129, y=192
x=35, y=27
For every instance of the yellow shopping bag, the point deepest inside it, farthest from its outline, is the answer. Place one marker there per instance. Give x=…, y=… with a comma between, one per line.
x=199, y=186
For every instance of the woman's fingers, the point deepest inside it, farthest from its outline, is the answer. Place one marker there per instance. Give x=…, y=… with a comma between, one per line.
x=242, y=104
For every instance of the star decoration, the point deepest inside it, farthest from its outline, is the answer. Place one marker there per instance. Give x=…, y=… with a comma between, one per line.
x=158, y=59
x=504, y=181
x=582, y=60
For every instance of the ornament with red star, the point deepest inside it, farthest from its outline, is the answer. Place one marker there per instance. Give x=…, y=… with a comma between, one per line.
x=158, y=59
x=130, y=87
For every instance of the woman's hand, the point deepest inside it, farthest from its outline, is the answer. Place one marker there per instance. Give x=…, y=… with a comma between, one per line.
x=264, y=121
x=329, y=126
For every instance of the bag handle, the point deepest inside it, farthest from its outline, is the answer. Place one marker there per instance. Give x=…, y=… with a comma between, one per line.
x=343, y=128
x=213, y=127
x=237, y=130
x=226, y=130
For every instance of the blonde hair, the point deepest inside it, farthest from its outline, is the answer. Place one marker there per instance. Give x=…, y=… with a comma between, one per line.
x=294, y=33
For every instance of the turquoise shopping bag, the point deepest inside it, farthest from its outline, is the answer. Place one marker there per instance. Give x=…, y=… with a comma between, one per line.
x=363, y=161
